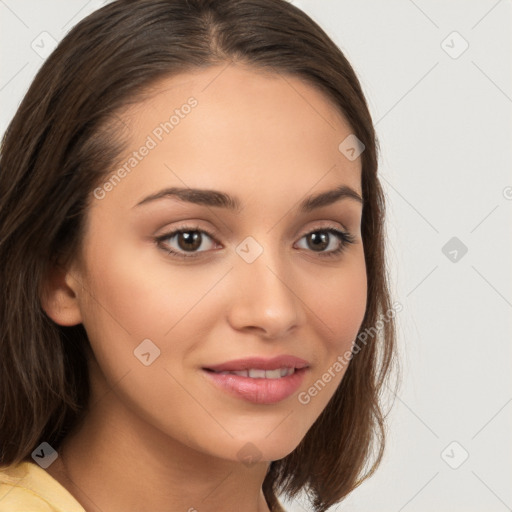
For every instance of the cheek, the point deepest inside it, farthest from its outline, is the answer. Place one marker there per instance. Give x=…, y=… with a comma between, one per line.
x=135, y=291
x=340, y=306
x=136, y=295
x=341, y=303
x=133, y=298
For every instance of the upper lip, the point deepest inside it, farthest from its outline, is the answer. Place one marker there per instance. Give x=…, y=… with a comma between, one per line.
x=284, y=361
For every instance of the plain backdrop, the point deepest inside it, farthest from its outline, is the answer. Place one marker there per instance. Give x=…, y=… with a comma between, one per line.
x=437, y=77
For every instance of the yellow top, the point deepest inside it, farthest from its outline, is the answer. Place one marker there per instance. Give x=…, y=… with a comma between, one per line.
x=28, y=487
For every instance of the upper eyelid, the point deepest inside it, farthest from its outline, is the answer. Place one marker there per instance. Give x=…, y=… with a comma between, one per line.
x=212, y=233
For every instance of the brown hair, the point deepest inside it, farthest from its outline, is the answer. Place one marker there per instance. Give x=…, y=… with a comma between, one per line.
x=59, y=146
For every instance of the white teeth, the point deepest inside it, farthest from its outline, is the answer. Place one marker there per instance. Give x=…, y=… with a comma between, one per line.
x=255, y=373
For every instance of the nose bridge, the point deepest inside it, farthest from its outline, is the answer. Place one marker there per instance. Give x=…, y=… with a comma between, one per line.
x=265, y=298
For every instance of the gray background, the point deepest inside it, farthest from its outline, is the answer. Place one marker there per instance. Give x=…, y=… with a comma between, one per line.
x=443, y=118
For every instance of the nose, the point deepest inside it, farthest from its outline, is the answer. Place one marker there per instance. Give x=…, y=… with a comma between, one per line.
x=265, y=299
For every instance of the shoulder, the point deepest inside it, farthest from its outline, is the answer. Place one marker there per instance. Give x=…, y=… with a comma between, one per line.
x=15, y=495
x=26, y=486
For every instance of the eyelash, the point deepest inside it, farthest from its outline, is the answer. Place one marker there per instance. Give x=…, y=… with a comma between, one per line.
x=344, y=237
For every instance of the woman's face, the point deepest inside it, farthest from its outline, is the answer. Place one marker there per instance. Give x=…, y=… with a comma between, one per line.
x=258, y=281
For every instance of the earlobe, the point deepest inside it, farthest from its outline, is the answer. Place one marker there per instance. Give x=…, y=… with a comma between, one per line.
x=60, y=296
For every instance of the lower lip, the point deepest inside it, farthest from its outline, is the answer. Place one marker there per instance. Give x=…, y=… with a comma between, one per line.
x=259, y=391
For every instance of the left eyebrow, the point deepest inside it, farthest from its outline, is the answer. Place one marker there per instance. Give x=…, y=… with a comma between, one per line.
x=329, y=197
x=219, y=199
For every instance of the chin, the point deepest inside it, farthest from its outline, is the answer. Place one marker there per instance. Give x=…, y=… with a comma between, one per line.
x=260, y=449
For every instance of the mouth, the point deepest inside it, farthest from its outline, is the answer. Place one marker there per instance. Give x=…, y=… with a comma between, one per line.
x=258, y=380
x=258, y=373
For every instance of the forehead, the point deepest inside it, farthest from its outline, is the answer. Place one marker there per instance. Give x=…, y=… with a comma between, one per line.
x=237, y=128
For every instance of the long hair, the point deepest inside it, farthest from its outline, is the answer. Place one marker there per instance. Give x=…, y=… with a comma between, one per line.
x=61, y=144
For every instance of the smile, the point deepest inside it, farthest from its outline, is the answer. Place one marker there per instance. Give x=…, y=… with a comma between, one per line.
x=256, y=385
x=256, y=373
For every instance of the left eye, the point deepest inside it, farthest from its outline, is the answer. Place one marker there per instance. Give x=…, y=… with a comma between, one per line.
x=322, y=238
x=190, y=240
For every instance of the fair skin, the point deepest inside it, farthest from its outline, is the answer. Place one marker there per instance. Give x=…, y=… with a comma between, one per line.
x=162, y=437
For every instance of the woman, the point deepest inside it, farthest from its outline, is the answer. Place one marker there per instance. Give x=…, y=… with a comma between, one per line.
x=191, y=237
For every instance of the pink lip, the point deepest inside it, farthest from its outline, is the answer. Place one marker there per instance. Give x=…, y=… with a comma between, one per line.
x=285, y=361
x=259, y=391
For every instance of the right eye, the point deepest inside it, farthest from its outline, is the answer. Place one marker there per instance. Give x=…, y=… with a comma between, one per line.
x=189, y=238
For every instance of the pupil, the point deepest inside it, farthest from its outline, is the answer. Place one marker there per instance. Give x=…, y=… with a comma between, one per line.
x=194, y=240
x=322, y=238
